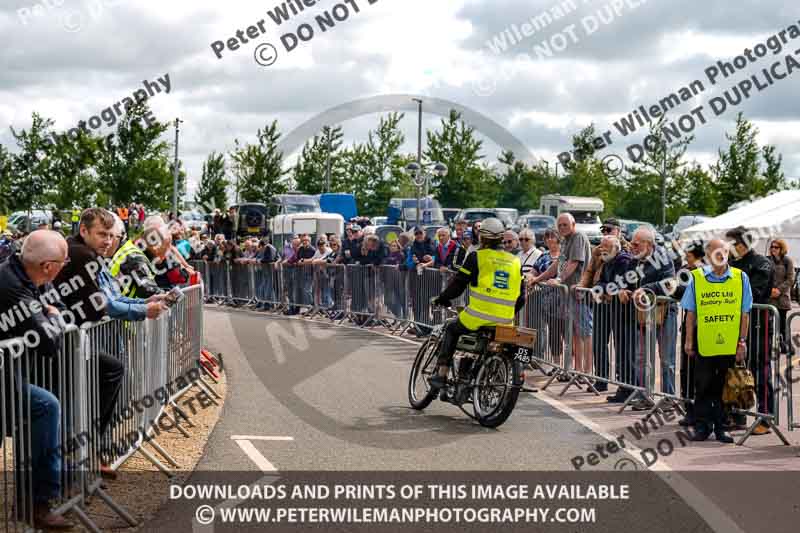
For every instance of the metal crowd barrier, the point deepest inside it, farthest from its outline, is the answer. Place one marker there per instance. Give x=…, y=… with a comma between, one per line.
x=152, y=353
x=582, y=341
x=546, y=311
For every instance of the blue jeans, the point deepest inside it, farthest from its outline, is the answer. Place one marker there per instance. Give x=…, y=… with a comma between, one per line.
x=665, y=339
x=45, y=460
x=667, y=336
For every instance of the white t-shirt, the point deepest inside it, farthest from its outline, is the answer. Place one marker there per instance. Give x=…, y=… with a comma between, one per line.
x=322, y=253
x=527, y=259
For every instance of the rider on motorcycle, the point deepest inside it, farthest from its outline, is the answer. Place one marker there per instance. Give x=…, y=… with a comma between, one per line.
x=495, y=293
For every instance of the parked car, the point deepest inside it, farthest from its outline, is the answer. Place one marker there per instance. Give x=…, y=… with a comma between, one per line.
x=474, y=214
x=686, y=221
x=430, y=231
x=450, y=214
x=195, y=221
x=628, y=227
x=379, y=221
x=18, y=221
x=507, y=216
x=538, y=223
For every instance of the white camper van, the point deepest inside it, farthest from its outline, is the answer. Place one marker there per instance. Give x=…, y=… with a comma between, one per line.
x=283, y=227
x=586, y=211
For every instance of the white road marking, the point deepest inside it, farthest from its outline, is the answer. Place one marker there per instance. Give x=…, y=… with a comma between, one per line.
x=257, y=437
x=707, y=509
x=252, y=452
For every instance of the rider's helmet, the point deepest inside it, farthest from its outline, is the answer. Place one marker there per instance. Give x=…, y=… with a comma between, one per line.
x=491, y=233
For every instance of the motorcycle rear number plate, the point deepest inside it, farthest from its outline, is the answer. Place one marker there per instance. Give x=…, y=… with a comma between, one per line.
x=523, y=354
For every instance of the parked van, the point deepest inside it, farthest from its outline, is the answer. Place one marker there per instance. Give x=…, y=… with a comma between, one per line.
x=284, y=227
x=585, y=209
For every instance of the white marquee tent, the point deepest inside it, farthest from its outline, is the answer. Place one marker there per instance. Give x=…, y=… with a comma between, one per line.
x=776, y=216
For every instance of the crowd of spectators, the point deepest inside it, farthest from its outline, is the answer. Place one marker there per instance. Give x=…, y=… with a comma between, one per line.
x=97, y=272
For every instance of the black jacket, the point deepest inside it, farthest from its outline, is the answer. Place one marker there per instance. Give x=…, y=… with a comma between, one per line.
x=22, y=308
x=654, y=270
x=140, y=274
x=759, y=269
x=84, y=265
x=354, y=246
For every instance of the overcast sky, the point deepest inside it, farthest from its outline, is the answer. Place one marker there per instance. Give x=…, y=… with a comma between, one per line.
x=70, y=59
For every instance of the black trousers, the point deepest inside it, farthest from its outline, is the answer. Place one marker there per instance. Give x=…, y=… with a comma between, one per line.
x=709, y=380
x=760, y=359
x=111, y=374
x=452, y=331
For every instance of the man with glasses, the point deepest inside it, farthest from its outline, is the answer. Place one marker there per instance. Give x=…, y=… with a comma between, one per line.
x=655, y=275
x=606, y=313
x=759, y=270
x=511, y=242
x=25, y=281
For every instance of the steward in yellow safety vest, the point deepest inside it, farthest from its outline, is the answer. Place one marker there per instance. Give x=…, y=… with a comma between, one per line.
x=133, y=266
x=494, y=279
x=717, y=300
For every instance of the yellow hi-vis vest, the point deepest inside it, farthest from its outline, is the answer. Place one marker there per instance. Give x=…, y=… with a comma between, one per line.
x=719, y=313
x=129, y=248
x=76, y=215
x=492, y=301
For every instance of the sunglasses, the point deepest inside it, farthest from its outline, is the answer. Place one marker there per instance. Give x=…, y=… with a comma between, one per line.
x=524, y=239
x=605, y=230
x=508, y=242
x=775, y=247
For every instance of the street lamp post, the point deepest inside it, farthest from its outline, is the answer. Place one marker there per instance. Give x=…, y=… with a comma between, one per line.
x=421, y=179
x=175, y=172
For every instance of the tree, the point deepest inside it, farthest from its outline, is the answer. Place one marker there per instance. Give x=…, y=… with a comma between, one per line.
x=588, y=176
x=383, y=173
x=702, y=194
x=738, y=168
x=258, y=167
x=773, y=179
x=213, y=189
x=72, y=164
x=134, y=163
x=5, y=178
x=466, y=183
x=658, y=169
x=517, y=184
x=318, y=154
x=30, y=167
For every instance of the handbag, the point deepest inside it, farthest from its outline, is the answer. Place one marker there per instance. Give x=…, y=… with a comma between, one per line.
x=740, y=388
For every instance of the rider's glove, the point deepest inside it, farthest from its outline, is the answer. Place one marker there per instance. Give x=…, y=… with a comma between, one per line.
x=439, y=301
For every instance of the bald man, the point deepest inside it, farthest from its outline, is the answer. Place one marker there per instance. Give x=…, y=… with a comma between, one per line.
x=722, y=330
x=25, y=279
